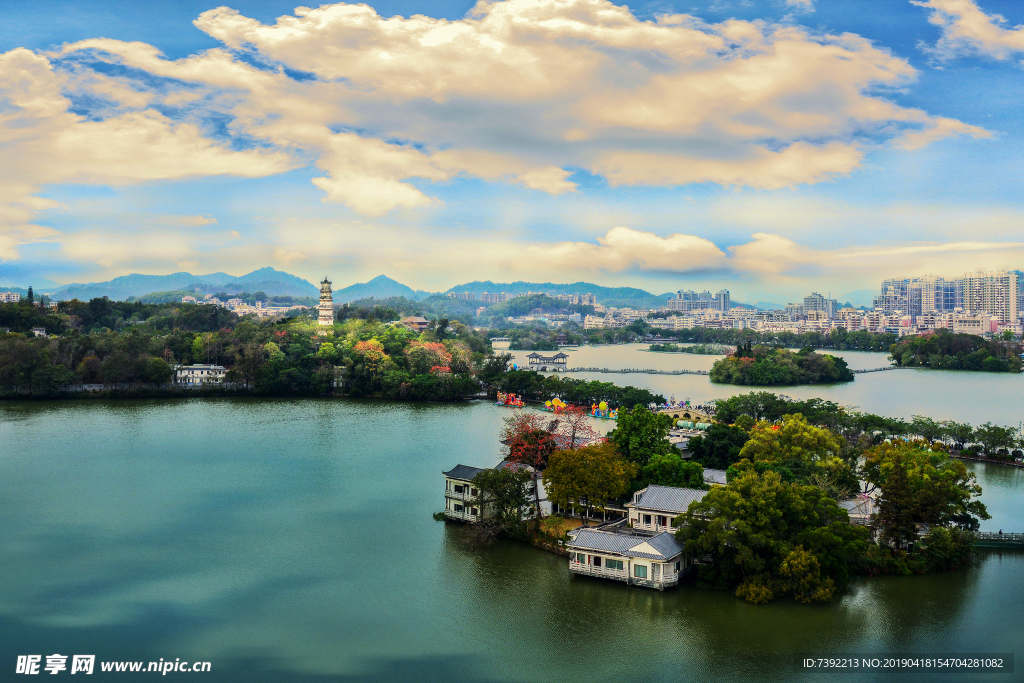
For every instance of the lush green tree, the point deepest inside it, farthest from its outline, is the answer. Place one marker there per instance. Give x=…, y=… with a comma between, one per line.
x=996, y=440
x=504, y=498
x=921, y=486
x=587, y=478
x=766, y=538
x=719, y=447
x=671, y=470
x=794, y=439
x=640, y=434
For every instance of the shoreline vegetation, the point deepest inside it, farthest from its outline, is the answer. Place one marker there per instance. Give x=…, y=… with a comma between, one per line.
x=108, y=349
x=945, y=350
x=766, y=366
x=780, y=526
x=700, y=349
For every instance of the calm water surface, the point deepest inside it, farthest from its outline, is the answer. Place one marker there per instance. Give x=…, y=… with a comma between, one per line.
x=293, y=541
x=974, y=397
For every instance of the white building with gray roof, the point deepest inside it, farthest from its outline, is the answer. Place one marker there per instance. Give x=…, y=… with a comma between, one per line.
x=654, y=507
x=461, y=497
x=650, y=561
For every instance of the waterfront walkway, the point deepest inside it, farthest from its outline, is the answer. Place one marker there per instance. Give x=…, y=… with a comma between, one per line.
x=995, y=539
x=651, y=371
x=643, y=371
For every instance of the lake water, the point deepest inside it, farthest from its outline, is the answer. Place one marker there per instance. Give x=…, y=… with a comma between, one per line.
x=292, y=540
x=974, y=397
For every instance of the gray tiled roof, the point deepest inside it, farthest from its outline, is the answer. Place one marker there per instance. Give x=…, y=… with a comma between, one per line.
x=668, y=498
x=715, y=477
x=860, y=505
x=463, y=472
x=623, y=544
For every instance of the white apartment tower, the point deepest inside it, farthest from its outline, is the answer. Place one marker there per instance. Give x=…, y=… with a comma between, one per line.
x=995, y=293
x=817, y=302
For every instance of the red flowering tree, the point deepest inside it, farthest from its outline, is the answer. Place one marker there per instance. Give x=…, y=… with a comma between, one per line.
x=575, y=429
x=528, y=439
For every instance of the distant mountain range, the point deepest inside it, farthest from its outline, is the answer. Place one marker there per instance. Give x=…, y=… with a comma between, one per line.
x=608, y=296
x=273, y=282
x=379, y=287
x=278, y=283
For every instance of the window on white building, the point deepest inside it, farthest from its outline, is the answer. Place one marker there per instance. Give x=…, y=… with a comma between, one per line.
x=647, y=519
x=614, y=564
x=640, y=571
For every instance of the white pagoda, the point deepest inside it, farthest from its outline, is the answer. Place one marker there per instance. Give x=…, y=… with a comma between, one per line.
x=326, y=307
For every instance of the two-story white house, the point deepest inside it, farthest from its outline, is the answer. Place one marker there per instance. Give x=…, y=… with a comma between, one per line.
x=651, y=561
x=460, y=495
x=198, y=375
x=654, y=507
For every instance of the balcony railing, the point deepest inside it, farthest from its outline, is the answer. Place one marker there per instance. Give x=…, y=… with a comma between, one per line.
x=591, y=570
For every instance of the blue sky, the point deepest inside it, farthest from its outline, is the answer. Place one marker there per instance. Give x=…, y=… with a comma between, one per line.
x=772, y=147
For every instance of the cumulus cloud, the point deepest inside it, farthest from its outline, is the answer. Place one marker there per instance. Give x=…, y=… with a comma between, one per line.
x=517, y=91
x=523, y=91
x=966, y=29
x=765, y=257
x=626, y=249
x=45, y=143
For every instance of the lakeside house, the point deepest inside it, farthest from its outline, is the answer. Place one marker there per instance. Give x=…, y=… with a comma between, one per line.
x=199, y=375
x=460, y=496
x=653, y=508
x=638, y=560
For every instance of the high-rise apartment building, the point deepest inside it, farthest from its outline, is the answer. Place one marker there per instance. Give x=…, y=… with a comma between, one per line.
x=722, y=302
x=817, y=303
x=995, y=293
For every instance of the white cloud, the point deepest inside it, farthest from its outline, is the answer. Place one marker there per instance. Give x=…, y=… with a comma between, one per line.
x=806, y=5
x=45, y=143
x=626, y=249
x=524, y=90
x=966, y=29
x=766, y=257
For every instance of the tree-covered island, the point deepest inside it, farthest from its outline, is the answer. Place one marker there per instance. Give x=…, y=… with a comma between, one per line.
x=773, y=366
x=699, y=349
x=945, y=350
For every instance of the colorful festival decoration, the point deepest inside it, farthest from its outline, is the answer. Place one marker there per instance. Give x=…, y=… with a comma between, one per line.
x=510, y=400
